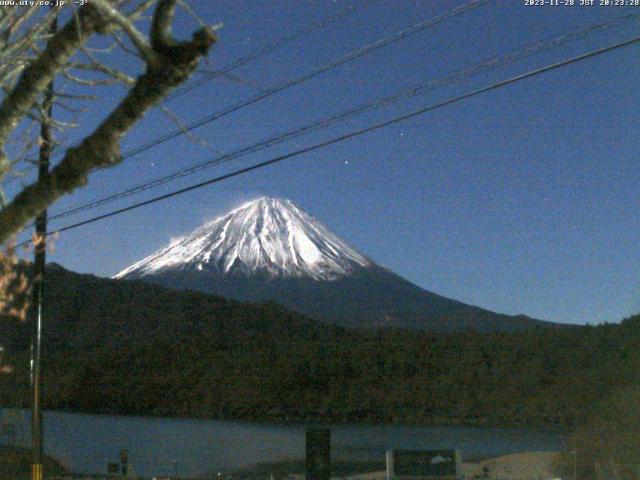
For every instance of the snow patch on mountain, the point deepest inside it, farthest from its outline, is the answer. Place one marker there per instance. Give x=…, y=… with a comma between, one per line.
x=265, y=236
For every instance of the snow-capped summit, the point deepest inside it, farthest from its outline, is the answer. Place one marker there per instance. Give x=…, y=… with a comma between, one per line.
x=266, y=236
x=270, y=250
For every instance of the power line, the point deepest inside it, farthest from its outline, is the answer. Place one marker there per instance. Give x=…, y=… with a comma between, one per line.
x=240, y=62
x=458, y=75
x=371, y=47
x=270, y=48
x=354, y=134
x=353, y=55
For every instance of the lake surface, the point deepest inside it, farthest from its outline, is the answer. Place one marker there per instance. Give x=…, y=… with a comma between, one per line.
x=87, y=443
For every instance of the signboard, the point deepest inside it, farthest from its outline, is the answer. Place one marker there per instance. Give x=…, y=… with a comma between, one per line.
x=414, y=464
x=318, y=454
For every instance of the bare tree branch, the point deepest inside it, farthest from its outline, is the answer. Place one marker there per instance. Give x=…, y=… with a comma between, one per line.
x=181, y=125
x=172, y=63
x=161, y=26
x=127, y=26
x=92, y=83
x=105, y=69
x=140, y=9
x=39, y=74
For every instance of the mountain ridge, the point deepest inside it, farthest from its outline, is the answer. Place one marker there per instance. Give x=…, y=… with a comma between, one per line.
x=270, y=249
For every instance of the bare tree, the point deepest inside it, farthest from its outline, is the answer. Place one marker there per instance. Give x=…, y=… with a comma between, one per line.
x=31, y=57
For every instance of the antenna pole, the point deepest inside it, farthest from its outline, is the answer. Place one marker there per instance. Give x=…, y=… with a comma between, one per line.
x=40, y=252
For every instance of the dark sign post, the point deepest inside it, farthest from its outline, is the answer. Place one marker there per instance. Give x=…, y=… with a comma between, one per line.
x=318, y=454
x=124, y=462
x=423, y=464
x=39, y=263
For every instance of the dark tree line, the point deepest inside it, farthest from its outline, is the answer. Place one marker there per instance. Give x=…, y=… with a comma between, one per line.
x=131, y=348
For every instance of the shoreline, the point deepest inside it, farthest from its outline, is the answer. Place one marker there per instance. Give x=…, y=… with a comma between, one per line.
x=230, y=446
x=327, y=422
x=515, y=466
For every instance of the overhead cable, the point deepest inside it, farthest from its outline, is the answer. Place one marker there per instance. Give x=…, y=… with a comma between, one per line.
x=404, y=94
x=361, y=52
x=239, y=62
x=353, y=134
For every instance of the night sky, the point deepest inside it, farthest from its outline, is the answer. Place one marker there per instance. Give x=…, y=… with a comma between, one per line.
x=521, y=200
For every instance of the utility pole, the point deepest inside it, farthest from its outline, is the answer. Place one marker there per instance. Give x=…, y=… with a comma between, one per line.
x=40, y=252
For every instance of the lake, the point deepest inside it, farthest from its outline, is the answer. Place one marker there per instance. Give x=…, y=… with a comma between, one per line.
x=157, y=446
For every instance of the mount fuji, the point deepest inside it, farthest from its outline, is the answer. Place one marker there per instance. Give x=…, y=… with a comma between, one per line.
x=269, y=249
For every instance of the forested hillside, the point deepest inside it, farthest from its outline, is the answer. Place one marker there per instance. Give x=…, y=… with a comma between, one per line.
x=133, y=348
